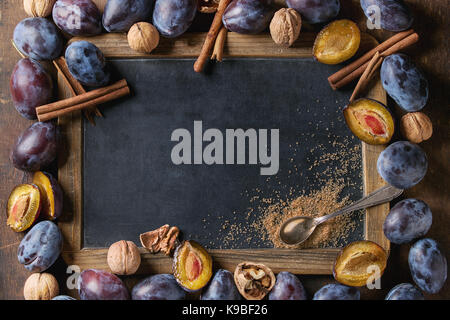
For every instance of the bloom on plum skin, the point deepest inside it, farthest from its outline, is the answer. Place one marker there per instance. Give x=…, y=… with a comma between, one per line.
x=38, y=38
x=77, y=17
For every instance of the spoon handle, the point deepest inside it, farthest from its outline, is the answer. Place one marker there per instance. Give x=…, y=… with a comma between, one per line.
x=382, y=195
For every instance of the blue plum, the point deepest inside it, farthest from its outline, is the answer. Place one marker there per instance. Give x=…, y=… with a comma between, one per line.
x=392, y=15
x=428, y=265
x=404, y=291
x=335, y=291
x=404, y=82
x=38, y=38
x=41, y=247
x=402, y=164
x=87, y=64
x=173, y=17
x=36, y=147
x=316, y=11
x=63, y=297
x=158, y=287
x=248, y=16
x=31, y=86
x=77, y=17
x=221, y=287
x=101, y=285
x=408, y=220
x=287, y=287
x=120, y=15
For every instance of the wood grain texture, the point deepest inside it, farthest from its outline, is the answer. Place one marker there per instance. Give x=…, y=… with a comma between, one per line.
x=70, y=166
x=431, y=54
x=189, y=45
x=375, y=216
x=314, y=261
x=12, y=274
x=295, y=261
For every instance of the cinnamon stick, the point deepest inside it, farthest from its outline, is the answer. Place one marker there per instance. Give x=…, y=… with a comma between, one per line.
x=354, y=70
x=81, y=98
x=211, y=36
x=74, y=85
x=375, y=68
x=367, y=75
x=85, y=100
x=219, y=45
x=57, y=112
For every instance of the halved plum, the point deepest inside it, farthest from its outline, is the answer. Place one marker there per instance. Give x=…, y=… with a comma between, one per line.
x=24, y=206
x=337, y=42
x=51, y=194
x=358, y=262
x=370, y=121
x=192, y=266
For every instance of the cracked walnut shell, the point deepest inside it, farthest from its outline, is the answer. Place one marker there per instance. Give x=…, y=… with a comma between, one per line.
x=143, y=37
x=416, y=127
x=123, y=257
x=40, y=286
x=163, y=239
x=253, y=280
x=285, y=26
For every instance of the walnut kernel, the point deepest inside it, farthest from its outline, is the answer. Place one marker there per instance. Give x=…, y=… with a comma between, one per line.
x=285, y=26
x=253, y=280
x=416, y=127
x=40, y=286
x=208, y=6
x=38, y=8
x=143, y=37
x=123, y=257
x=163, y=239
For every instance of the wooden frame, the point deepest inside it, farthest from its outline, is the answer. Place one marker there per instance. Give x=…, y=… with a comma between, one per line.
x=305, y=261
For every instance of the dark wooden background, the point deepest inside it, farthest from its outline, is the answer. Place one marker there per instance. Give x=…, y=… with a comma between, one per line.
x=431, y=54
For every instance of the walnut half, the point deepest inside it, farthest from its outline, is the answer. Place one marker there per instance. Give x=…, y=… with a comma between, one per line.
x=163, y=239
x=253, y=280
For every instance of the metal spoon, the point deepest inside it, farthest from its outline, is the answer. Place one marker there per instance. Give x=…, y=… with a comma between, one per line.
x=298, y=229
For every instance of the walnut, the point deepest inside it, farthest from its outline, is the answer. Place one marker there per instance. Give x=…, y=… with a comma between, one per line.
x=285, y=26
x=416, y=127
x=143, y=37
x=208, y=6
x=163, y=239
x=38, y=8
x=123, y=257
x=253, y=280
x=40, y=286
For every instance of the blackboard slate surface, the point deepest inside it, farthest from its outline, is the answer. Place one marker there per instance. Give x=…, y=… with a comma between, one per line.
x=131, y=185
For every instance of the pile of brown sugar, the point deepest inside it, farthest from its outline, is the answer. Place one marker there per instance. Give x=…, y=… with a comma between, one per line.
x=262, y=220
x=329, y=174
x=315, y=204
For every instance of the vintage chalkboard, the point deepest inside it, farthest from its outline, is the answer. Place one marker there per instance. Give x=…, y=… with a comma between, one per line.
x=131, y=184
x=121, y=180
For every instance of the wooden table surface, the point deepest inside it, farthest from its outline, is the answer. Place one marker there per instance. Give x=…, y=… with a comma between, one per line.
x=431, y=54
